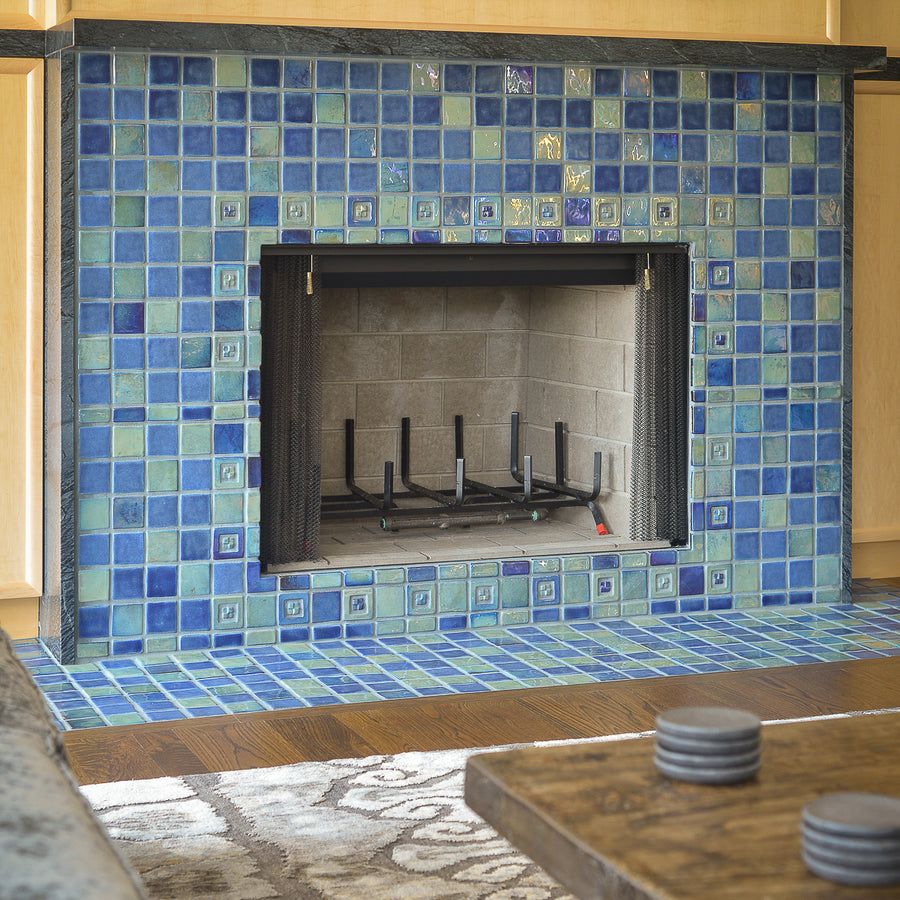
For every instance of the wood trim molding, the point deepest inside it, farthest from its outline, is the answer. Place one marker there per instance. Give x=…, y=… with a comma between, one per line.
x=876, y=560
x=21, y=327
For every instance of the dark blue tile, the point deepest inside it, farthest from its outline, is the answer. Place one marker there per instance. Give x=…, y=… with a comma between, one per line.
x=93, y=103
x=94, y=68
x=608, y=82
x=693, y=147
x=162, y=105
x=803, y=117
x=548, y=113
x=162, y=581
x=127, y=584
x=162, y=440
x=265, y=72
x=488, y=111
x=777, y=85
x=548, y=178
x=693, y=116
x=93, y=139
x=690, y=580
x=748, y=85
x=197, y=70
x=163, y=70
x=93, y=622
x=776, y=117
x=721, y=116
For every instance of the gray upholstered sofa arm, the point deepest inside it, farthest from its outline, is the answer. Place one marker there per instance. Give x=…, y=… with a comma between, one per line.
x=51, y=846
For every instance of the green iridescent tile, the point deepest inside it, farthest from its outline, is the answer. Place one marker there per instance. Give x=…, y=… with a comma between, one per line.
x=577, y=178
x=828, y=572
x=163, y=413
x=129, y=140
x=485, y=570
x=130, y=69
x=264, y=175
x=421, y=623
x=718, y=483
x=775, y=370
x=93, y=513
x=774, y=307
x=720, y=243
x=162, y=475
x=828, y=305
x=635, y=608
x=720, y=395
x=830, y=392
x=426, y=76
x=830, y=88
x=329, y=212
x=261, y=611
x=196, y=246
x=693, y=85
x=128, y=388
x=747, y=419
x=749, y=116
x=264, y=140
x=162, y=546
x=698, y=372
x=193, y=580
x=700, y=272
x=830, y=211
x=228, y=386
x=93, y=246
x=776, y=179
x=457, y=111
x=256, y=238
x=93, y=416
x=803, y=148
x=330, y=109
x=664, y=235
x=517, y=212
x=231, y=71
x=828, y=478
x=773, y=512
x=803, y=242
x=162, y=175
x=607, y=113
x=228, y=411
x=801, y=541
x=576, y=588
x=721, y=148
x=719, y=547
x=393, y=212
x=513, y=592
x=161, y=317
x=579, y=81
x=774, y=448
x=692, y=211
x=253, y=436
x=93, y=585
x=197, y=106
x=577, y=236
x=637, y=147
x=747, y=275
x=605, y=586
x=128, y=619
x=128, y=212
x=720, y=308
x=698, y=485
x=389, y=601
x=128, y=284
x=746, y=211
x=93, y=353
x=486, y=143
x=452, y=596
x=196, y=438
x=228, y=509
x=457, y=235
x=576, y=563
x=127, y=440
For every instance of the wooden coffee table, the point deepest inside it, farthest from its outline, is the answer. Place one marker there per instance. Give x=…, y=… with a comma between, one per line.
x=601, y=820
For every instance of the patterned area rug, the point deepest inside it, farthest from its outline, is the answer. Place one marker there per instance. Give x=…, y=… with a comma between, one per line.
x=380, y=828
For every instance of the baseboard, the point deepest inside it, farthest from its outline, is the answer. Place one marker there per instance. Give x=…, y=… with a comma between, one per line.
x=876, y=559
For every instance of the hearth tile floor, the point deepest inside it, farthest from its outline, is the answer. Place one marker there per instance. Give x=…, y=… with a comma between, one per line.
x=188, y=684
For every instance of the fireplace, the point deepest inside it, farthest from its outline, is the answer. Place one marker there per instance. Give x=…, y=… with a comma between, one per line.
x=176, y=161
x=380, y=367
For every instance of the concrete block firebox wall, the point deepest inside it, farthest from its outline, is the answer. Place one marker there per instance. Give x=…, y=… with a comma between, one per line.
x=186, y=162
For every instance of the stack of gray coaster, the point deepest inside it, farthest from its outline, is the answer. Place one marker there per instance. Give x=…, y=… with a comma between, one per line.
x=853, y=838
x=708, y=744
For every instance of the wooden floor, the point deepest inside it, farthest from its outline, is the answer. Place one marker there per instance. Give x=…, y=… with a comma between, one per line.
x=249, y=740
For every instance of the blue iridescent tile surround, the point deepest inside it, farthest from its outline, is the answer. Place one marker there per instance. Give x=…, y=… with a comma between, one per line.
x=186, y=163
x=160, y=687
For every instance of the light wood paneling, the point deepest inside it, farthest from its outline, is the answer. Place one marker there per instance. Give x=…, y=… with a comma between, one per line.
x=18, y=14
x=21, y=317
x=876, y=331
x=764, y=20
x=875, y=22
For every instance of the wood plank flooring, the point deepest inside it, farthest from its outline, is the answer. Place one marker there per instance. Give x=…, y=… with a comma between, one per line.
x=249, y=740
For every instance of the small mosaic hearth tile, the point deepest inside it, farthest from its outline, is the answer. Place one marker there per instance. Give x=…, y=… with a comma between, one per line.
x=164, y=686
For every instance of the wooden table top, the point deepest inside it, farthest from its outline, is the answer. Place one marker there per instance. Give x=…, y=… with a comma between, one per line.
x=601, y=820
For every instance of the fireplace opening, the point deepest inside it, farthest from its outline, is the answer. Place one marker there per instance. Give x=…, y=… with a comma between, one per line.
x=461, y=402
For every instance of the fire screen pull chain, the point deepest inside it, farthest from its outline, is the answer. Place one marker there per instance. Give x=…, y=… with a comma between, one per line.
x=647, y=274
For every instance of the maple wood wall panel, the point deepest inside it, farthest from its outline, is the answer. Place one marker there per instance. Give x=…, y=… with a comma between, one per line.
x=21, y=236
x=766, y=20
x=876, y=333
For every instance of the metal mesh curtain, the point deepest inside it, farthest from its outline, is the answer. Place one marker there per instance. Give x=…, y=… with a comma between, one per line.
x=659, y=467
x=290, y=429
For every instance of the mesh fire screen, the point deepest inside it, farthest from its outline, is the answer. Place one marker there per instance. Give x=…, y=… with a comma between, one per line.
x=659, y=470
x=291, y=411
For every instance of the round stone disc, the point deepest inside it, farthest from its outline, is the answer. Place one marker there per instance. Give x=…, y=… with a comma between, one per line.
x=699, y=745
x=858, y=877
x=709, y=722
x=854, y=814
x=879, y=852
x=707, y=775
x=707, y=760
